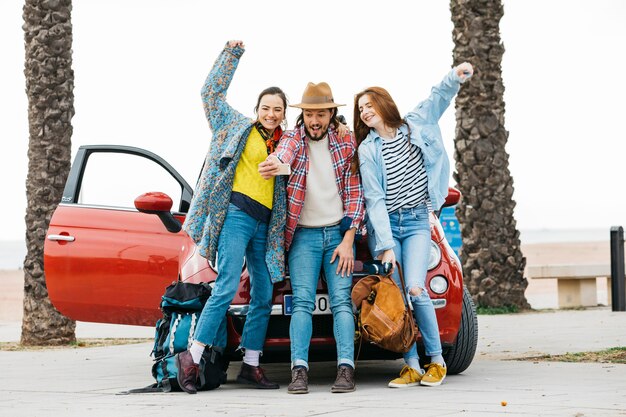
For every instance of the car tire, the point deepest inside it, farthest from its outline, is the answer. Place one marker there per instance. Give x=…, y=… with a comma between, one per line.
x=460, y=355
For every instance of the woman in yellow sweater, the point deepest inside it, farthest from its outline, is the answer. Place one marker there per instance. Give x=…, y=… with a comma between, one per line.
x=237, y=213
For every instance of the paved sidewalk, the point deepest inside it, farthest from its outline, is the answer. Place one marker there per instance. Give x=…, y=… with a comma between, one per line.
x=79, y=382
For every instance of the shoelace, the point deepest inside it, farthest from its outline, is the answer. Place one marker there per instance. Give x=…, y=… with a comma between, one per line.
x=262, y=374
x=343, y=372
x=298, y=375
x=406, y=375
x=434, y=371
x=192, y=370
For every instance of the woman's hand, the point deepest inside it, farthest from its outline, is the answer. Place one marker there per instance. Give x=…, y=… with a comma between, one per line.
x=388, y=256
x=270, y=167
x=464, y=71
x=234, y=43
x=342, y=130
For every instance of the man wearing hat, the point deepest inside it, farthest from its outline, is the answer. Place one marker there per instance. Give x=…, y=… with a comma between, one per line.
x=325, y=207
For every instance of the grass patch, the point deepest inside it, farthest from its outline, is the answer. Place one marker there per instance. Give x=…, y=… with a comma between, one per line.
x=497, y=310
x=612, y=355
x=80, y=343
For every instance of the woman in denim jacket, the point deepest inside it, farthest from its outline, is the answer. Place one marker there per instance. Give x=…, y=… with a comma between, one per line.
x=405, y=172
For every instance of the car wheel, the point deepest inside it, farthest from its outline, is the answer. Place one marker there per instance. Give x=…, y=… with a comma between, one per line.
x=459, y=357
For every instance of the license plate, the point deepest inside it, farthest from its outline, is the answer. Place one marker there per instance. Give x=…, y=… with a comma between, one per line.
x=322, y=304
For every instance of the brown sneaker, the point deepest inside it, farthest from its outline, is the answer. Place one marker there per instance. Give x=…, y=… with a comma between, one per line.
x=299, y=381
x=345, y=380
x=254, y=375
x=188, y=372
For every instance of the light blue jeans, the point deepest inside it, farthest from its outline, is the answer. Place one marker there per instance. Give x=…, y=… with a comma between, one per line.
x=241, y=235
x=311, y=250
x=411, y=234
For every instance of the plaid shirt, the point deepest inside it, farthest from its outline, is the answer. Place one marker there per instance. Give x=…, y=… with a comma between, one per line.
x=292, y=150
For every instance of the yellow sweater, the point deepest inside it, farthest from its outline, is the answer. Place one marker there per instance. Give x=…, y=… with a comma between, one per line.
x=247, y=180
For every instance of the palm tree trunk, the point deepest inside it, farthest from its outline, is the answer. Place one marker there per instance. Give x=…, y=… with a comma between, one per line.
x=493, y=263
x=49, y=86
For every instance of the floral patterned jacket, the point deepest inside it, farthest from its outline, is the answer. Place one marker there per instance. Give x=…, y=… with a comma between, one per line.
x=212, y=195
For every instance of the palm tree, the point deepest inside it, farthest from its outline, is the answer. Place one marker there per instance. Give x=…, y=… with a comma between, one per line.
x=493, y=263
x=49, y=86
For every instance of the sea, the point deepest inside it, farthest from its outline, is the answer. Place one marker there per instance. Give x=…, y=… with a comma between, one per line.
x=12, y=253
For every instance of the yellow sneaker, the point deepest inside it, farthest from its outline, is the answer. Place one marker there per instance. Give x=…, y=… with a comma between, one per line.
x=409, y=377
x=435, y=374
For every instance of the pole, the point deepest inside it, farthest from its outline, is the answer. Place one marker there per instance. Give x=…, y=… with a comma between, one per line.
x=618, y=290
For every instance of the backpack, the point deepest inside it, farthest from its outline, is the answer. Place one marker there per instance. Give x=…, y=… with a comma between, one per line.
x=181, y=305
x=383, y=316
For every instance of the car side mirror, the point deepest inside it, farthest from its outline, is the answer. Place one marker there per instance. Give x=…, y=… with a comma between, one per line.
x=160, y=204
x=453, y=197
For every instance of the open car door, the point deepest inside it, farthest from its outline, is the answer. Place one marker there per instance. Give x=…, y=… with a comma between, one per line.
x=104, y=260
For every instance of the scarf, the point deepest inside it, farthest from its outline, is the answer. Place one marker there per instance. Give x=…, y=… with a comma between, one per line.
x=270, y=141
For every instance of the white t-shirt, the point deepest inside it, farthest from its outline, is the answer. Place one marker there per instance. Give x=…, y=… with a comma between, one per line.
x=322, y=204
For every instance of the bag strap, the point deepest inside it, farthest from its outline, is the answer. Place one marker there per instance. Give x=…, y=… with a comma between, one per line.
x=164, y=386
x=173, y=329
x=403, y=291
x=403, y=288
x=209, y=355
x=150, y=388
x=358, y=331
x=165, y=382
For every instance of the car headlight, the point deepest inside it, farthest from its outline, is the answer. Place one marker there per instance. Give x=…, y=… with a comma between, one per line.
x=438, y=284
x=435, y=255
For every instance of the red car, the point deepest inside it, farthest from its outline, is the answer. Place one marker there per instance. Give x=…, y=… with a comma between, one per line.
x=108, y=257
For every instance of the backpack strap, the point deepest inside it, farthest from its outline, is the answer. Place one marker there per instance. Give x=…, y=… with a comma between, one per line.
x=163, y=327
x=192, y=329
x=165, y=383
x=149, y=389
x=173, y=334
x=163, y=386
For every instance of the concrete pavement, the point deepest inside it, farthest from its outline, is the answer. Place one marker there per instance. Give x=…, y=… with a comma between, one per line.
x=73, y=382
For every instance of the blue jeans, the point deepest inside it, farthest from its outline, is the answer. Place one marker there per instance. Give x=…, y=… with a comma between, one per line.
x=311, y=250
x=411, y=234
x=241, y=235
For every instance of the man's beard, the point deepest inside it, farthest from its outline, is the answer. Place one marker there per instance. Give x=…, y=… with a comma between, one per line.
x=315, y=138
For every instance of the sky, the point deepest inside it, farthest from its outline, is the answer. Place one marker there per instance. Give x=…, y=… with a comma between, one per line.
x=139, y=66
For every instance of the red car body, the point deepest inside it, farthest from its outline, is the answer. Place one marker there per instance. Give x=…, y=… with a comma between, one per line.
x=111, y=264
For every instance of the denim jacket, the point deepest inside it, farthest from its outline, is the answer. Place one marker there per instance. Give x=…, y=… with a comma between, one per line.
x=425, y=133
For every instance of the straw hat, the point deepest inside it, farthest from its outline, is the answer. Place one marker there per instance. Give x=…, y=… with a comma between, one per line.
x=317, y=96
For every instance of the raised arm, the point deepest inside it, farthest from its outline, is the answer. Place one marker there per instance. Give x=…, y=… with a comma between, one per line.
x=431, y=109
x=217, y=110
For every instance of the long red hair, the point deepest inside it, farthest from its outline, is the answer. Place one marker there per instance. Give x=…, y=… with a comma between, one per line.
x=384, y=106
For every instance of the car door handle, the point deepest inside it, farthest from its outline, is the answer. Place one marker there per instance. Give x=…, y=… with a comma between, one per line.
x=62, y=238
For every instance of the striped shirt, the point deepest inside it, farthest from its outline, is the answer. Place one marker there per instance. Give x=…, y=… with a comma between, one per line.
x=407, y=183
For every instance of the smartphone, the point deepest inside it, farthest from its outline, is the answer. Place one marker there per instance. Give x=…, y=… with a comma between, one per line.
x=284, y=169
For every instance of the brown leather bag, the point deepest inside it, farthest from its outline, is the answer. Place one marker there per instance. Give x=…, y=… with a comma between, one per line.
x=384, y=318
